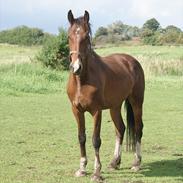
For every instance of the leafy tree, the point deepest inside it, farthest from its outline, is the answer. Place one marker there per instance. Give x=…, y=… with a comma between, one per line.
x=151, y=24
x=173, y=28
x=151, y=32
x=116, y=27
x=172, y=35
x=115, y=33
x=101, y=31
x=133, y=31
x=180, y=38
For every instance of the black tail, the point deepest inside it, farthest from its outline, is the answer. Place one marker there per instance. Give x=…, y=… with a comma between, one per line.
x=130, y=132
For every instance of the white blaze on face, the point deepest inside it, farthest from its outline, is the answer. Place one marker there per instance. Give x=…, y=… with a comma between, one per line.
x=78, y=31
x=76, y=65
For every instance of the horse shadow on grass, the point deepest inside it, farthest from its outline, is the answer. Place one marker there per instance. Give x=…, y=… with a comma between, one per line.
x=163, y=168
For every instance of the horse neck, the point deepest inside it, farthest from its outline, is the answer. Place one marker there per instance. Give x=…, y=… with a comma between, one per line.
x=88, y=60
x=82, y=79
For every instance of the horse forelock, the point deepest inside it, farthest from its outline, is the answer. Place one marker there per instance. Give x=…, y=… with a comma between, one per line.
x=80, y=22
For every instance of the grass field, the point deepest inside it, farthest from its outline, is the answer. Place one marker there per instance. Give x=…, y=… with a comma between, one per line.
x=157, y=60
x=38, y=134
x=13, y=54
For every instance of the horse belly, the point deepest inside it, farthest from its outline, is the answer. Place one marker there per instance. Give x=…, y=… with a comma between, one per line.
x=117, y=91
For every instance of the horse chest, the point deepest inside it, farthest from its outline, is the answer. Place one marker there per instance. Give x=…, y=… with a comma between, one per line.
x=81, y=102
x=85, y=98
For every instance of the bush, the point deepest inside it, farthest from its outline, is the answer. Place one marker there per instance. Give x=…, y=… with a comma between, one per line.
x=55, y=52
x=23, y=35
x=180, y=39
x=150, y=38
x=172, y=35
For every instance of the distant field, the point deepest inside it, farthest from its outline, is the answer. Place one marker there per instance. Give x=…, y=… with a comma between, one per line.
x=156, y=60
x=13, y=54
x=161, y=60
x=161, y=52
x=38, y=133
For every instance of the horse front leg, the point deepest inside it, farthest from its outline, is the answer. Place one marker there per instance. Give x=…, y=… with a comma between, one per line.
x=82, y=139
x=96, y=144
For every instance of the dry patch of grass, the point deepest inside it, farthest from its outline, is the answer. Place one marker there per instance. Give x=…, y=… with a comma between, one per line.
x=14, y=54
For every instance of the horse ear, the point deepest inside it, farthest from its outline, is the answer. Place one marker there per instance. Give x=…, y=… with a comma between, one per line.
x=86, y=16
x=70, y=17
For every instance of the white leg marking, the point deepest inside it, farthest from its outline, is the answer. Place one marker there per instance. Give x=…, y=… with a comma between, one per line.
x=82, y=170
x=136, y=166
x=97, y=167
x=117, y=151
x=96, y=163
x=138, y=150
x=83, y=161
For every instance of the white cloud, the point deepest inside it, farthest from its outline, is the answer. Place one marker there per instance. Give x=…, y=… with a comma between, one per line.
x=166, y=11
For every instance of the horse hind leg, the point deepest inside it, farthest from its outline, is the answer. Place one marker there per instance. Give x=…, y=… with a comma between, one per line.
x=119, y=129
x=137, y=111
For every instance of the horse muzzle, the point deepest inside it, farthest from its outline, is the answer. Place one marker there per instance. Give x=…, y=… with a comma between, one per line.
x=76, y=67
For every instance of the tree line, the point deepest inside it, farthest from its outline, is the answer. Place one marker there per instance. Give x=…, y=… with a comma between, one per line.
x=151, y=33
x=23, y=35
x=55, y=49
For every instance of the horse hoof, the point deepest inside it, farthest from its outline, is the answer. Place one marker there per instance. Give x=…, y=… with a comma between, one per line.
x=112, y=167
x=80, y=173
x=96, y=178
x=135, y=168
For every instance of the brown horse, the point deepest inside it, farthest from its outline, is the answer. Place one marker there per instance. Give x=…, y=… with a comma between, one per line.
x=97, y=83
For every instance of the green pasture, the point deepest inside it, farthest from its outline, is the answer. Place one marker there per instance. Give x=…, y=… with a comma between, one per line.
x=38, y=133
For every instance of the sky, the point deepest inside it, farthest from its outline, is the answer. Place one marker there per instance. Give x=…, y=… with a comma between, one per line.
x=51, y=14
